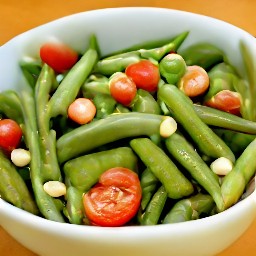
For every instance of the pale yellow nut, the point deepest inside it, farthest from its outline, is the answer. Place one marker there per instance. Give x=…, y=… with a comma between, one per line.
x=20, y=157
x=55, y=188
x=167, y=127
x=221, y=166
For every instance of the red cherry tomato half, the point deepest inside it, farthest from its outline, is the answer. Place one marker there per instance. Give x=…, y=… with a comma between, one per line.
x=58, y=56
x=81, y=111
x=115, y=199
x=122, y=88
x=144, y=74
x=227, y=101
x=10, y=135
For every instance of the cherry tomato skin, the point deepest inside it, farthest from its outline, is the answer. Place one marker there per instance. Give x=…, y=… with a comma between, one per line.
x=145, y=75
x=122, y=88
x=58, y=56
x=82, y=111
x=227, y=101
x=115, y=199
x=10, y=135
x=194, y=82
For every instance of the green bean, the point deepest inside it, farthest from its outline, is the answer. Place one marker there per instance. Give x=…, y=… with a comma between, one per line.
x=236, y=141
x=145, y=103
x=74, y=210
x=83, y=172
x=10, y=105
x=145, y=45
x=186, y=155
x=13, y=189
x=222, y=77
x=94, y=85
x=105, y=105
x=248, y=89
x=125, y=125
x=31, y=69
x=148, y=184
x=175, y=183
x=50, y=169
x=72, y=82
x=222, y=119
x=117, y=63
x=202, y=54
x=234, y=183
x=189, y=209
x=155, y=207
x=46, y=203
x=182, y=108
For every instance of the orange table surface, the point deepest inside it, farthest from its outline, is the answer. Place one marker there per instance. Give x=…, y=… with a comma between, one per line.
x=18, y=16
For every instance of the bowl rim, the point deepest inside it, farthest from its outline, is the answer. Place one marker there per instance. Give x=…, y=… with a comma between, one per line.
x=41, y=222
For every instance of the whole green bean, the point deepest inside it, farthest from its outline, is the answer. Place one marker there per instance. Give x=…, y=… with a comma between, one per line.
x=72, y=82
x=13, y=189
x=103, y=131
x=186, y=155
x=182, y=108
x=83, y=172
x=189, y=209
x=175, y=183
x=234, y=183
x=155, y=207
x=222, y=119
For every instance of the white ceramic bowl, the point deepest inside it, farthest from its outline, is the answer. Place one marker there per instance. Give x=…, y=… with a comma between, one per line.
x=116, y=29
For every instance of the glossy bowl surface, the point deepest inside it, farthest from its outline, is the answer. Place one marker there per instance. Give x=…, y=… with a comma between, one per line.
x=116, y=29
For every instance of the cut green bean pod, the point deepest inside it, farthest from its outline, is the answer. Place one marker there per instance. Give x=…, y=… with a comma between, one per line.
x=155, y=208
x=234, y=183
x=190, y=209
x=175, y=183
x=50, y=169
x=125, y=125
x=218, y=118
x=202, y=54
x=118, y=63
x=13, y=189
x=83, y=172
x=74, y=210
x=236, y=141
x=145, y=103
x=222, y=77
x=148, y=184
x=186, y=155
x=10, y=106
x=46, y=204
x=72, y=82
x=182, y=109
